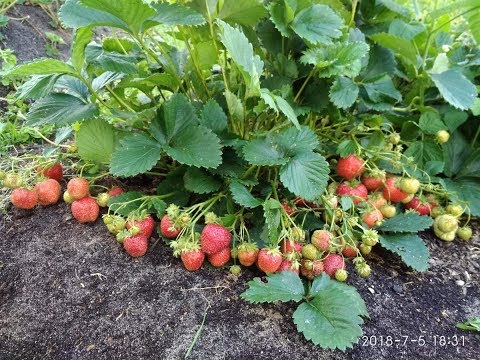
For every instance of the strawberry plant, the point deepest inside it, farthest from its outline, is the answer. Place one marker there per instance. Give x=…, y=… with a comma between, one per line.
x=296, y=136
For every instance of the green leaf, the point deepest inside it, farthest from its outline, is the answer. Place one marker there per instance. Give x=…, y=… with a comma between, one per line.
x=182, y=138
x=410, y=247
x=381, y=61
x=136, y=154
x=110, y=61
x=455, y=88
x=132, y=13
x=284, y=286
x=471, y=324
x=287, y=110
x=320, y=282
x=318, y=24
x=407, y=222
x=242, y=196
x=466, y=190
x=295, y=141
x=40, y=67
x=60, y=109
x=423, y=152
x=454, y=118
x=431, y=123
x=105, y=79
x=37, y=87
x=332, y=318
x=281, y=15
x=343, y=92
x=235, y=107
x=400, y=46
x=175, y=15
x=346, y=148
x=200, y=182
x=160, y=206
x=406, y=31
x=394, y=6
x=382, y=90
x=80, y=40
x=306, y=175
x=272, y=213
x=245, y=12
x=213, y=117
x=264, y=152
x=131, y=199
x=96, y=141
x=344, y=59
x=73, y=14
x=471, y=166
x=456, y=151
x=241, y=51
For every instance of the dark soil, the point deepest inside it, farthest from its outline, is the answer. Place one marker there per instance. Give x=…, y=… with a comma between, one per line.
x=68, y=291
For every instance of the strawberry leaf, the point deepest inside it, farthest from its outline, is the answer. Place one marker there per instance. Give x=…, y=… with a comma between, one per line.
x=455, y=88
x=175, y=15
x=272, y=213
x=410, y=247
x=136, y=154
x=125, y=203
x=200, y=182
x=245, y=12
x=332, y=318
x=343, y=92
x=213, y=117
x=407, y=222
x=96, y=141
x=40, y=67
x=318, y=24
x=284, y=286
x=242, y=196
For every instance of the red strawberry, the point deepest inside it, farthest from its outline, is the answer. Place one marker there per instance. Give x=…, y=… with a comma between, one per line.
x=321, y=239
x=135, y=245
x=52, y=172
x=192, y=259
x=167, y=229
x=358, y=192
x=24, y=199
x=371, y=217
x=48, y=191
x=289, y=246
x=332, y=263
x=146, y=225
x=247, y=254
x=422, y=207
x=349, y=251
x=78, y=188
x=303, y=203
x=85, y=210
x=220, y=258
x=311, y=269
x=392, y=192
x=350, y=167
x=214, y=238
x=376, y=200
x=288, y=209
x=115, y=191
x=287, y=265
x=269, y=260
x=373, y=181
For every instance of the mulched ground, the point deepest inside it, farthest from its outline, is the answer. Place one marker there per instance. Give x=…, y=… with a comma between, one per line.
x=68, y=291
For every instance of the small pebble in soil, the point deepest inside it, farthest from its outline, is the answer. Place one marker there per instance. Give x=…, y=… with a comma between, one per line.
x=371, y=290
x=460, y=282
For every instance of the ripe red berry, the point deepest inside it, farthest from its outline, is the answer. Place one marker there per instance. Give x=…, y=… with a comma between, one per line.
x=269, y=260
x=78, y=188
x=167, y=229
x=52, y=172
x=373, y=183
x=350, y=167
x=289, y=246
x=48, y=191
x=349, y=251
x=287, y=265
x=288, y=209
x=332, y=263
x=422, y=207
x=136, y=245
x=24, y=199
x=321, y=239
x=220, y=258
x=357, y=192
x=146, y=225
x=192, y=259
x=247, y=254
x=214, y=238
x=85, y=210
x=311, y=269
x=115, y=191
x=376, y=200
x=391, y=190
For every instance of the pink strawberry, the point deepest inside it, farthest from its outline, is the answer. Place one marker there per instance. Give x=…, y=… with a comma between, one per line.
x=289, y=246
x=332, y=263
x=78, y=188
x=24, y=199
x=115, y=191
x=48, y=191
x=269, y=260
x=136, y=245
x=192, y=259
x=321, y=239
x=287, y=265
x=220, y=258
x=167, y=229
x=85, y=210
x=146, y=225
x=350, y=167
x=52, y=172
x=311, y=269
x=214, y=238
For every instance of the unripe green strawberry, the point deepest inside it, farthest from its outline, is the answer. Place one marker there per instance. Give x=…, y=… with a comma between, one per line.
x=454, y=209
x=235, y=270
x=408, y=199
x=370, y=237
x=442, y=136
x=364, y=270
x=111, y=229
x=394, y=138
x=409, y=185
x=119, y=223
x=12, y=181
x=445, y=236
x=341, y=275
x=3, y=174
x=437, y=211
x=388, y=211
x=68, y=198
x=309, y=252
x=102, y=199
x=447, y=223
x=107, y=219
x=465, y=233
x=365, y=249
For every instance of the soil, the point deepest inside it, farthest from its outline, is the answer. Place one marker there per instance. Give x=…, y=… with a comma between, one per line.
x=69, y=291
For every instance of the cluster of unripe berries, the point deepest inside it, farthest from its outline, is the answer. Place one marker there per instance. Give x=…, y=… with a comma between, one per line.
x=446, y=225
